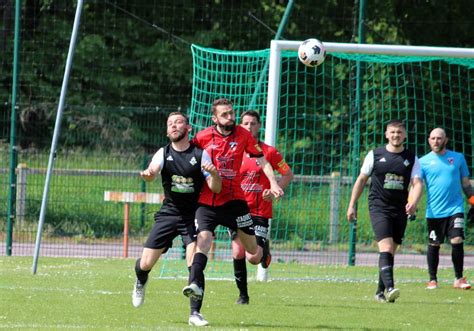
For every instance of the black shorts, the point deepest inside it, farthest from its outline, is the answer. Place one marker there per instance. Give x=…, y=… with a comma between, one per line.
x=386, y=224
x=233, y=215
x=440, y=228
x=166, y=228
x=260, y=225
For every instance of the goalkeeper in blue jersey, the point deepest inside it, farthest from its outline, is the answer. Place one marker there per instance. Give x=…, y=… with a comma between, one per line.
x=446, y=176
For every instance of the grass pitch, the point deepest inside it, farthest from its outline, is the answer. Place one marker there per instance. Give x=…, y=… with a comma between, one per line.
x=86, y=294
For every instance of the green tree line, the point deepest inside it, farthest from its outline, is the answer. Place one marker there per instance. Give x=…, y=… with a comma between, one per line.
x=133, y=57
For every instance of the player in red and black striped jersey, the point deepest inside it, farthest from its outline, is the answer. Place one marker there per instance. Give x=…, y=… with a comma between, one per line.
x=226, y=143
x=256, y=188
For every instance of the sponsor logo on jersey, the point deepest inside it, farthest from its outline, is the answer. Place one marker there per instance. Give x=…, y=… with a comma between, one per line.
x=393, y=182
x=182, y=184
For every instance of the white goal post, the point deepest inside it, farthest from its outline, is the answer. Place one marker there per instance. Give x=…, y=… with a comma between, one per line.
x=277, y=46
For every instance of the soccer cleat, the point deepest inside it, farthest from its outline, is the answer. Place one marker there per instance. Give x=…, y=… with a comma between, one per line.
x=462, y=284
x=262, y=273
x=392, y=294
x=196, y=319
x=380, y=297
x=266, y=256
x=242, y=300
x=138, y=294
x=193, y=291
x=432, y=285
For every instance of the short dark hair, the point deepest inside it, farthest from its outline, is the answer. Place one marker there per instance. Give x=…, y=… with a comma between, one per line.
x=179, y=113
x=396, y=123
x=220, y=102
x=252, y=113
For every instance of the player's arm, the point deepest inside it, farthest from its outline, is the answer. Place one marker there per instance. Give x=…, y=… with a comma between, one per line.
x=213, y=180
x=416, y=190
x=286, y=175
x=154, y=167
x=467, y=189
x=267, y=168
x=359, y=185
x=355, y=195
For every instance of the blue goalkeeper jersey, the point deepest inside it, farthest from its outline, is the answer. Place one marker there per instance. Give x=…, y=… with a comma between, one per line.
x=442, y=175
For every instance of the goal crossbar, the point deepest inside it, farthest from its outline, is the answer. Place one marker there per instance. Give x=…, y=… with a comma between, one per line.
x=277, y=46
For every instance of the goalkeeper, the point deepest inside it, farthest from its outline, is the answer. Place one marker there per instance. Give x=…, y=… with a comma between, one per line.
x=446, y=175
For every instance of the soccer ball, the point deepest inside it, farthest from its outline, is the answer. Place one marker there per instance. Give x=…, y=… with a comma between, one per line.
x=312, y=52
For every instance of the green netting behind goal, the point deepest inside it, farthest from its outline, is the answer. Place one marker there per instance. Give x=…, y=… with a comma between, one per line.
x=327, y=121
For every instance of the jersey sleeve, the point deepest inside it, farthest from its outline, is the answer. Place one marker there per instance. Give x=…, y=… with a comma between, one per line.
x=158, y=159
x=416, y=170
x=278, y=162
x=368, y=164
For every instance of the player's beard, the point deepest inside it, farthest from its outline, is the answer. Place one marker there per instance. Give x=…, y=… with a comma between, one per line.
x=440, y=147
x=227, y=127
x=181, y=134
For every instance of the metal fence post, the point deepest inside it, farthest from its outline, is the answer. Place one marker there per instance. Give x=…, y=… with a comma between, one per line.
x=22, y=171
x=334, y=207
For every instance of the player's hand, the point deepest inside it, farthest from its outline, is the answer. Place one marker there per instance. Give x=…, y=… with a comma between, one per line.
x=276, y=191
x=267, y=195
x=210, y=168
x=410, y=209
x=147, y=175
x=471, y=200
x=351, y=214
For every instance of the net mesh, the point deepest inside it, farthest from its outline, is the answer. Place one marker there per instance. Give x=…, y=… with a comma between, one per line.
x=325, y=127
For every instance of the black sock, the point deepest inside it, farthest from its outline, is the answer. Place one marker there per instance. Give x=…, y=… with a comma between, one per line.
x=386, y=269
x=196, y=275
x=142, y=275
x=457, y=256
x=381, y=285
x=433, y=261
x=240, y=273
x=195, y=305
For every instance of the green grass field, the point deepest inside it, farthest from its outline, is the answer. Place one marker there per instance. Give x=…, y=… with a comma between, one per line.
x=85, y=294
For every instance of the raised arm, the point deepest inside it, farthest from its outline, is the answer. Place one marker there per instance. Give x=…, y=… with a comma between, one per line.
x=154, y=167
x=267, y=168
x=214, y=181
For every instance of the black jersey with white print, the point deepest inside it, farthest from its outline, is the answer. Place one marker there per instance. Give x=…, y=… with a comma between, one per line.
x=182, y=179
x=390, y=177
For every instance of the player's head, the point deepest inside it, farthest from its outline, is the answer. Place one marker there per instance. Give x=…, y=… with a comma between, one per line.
x=223, y=114
x=250, y=120
x=438, y=140
x=395, y=133
x=177, y=126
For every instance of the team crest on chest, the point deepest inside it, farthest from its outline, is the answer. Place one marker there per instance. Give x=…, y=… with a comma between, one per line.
x=450, y=160
x=193, y=161
x=233, y=144
x=406, y=163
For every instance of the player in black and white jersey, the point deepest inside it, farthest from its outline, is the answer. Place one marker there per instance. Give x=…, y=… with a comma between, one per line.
x=392, y=169
x=184, y=168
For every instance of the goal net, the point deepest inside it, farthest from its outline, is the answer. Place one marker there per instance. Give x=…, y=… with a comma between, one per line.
x=324, y=120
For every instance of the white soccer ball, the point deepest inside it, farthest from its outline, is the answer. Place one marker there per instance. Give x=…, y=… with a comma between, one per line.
x=312, y=52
